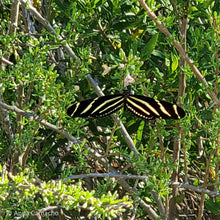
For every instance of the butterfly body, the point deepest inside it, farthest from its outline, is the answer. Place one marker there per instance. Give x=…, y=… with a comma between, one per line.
x=141, y=106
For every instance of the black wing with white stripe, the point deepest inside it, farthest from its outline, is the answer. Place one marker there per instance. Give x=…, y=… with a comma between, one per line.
x=149, y=108
x=98, y=107
x=141, y=106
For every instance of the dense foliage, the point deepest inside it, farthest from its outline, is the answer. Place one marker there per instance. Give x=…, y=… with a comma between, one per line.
x=53, y=165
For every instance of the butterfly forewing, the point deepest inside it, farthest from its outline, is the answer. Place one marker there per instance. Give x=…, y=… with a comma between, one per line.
x=149, y=108
x=98, y=107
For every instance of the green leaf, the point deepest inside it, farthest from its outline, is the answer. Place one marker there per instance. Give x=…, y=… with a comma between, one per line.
x=140, y=130
x=149, y=47
x=196, y=182
x=175, y=62
x=213, y=206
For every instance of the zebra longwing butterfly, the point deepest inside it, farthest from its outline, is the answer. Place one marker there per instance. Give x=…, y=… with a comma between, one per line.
x=141, y=106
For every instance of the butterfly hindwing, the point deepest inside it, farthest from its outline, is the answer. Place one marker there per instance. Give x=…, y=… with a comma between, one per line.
x=149, y=108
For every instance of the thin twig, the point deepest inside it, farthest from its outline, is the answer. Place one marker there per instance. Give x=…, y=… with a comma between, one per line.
x=105, y=175
x=199, y=189
x=104, y=35
x=6, y=61
x=159, y=202
x=14, y=17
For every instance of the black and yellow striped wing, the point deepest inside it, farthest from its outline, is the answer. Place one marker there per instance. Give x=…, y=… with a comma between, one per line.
x=141, y=106
x=149, y=108
x=98, y=107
